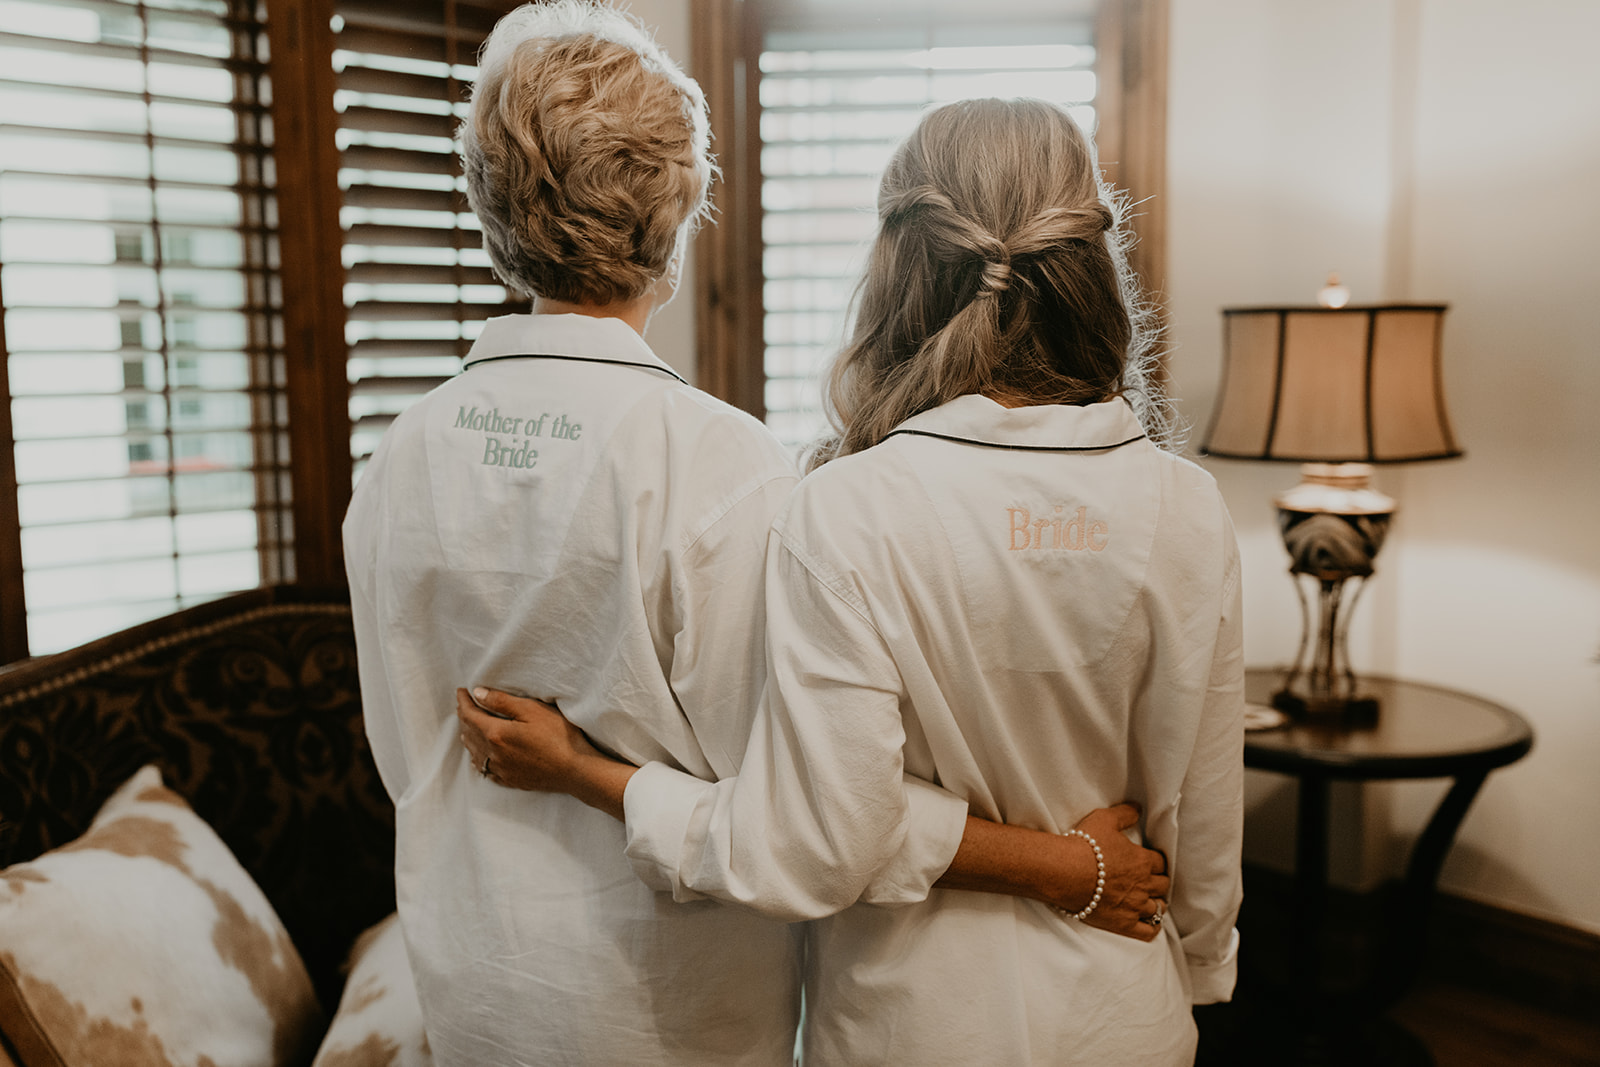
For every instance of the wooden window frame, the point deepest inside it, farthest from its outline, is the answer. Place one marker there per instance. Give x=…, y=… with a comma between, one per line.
x=13, y=608
x=311, y=246
x=1131, y=62
x=726, y=41
x=725, y=44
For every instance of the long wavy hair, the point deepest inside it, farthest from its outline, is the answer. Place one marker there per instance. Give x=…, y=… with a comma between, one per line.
x=999, y=268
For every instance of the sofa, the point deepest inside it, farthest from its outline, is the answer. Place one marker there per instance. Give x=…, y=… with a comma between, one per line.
x=248, y=710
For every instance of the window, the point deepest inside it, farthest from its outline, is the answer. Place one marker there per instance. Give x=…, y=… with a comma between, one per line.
x=834, y=104
x=191, y=378
x=417, y=282
x=172, y=351
x=146, y=458
x=809, y=97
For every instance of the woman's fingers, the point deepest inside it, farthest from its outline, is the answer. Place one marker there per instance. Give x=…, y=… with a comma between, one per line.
x=1128, y=925
x=1136, y=880
x=1136, y=916
x=505, y=706
x=1103, y=822
x=479, y=750
x=468, y=712
x=1126, y=814
x=514, y=741
x=471, y=732
x=525, y=743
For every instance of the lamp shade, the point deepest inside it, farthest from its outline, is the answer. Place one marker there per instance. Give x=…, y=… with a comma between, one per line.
x=1332, y=385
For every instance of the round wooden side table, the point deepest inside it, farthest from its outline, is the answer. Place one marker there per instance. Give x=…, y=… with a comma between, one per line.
x=1422, y=731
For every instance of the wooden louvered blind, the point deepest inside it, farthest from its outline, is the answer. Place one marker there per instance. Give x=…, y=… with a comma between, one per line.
x=418, y=285
x=141, y=344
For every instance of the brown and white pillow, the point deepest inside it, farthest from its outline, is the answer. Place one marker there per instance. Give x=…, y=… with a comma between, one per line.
x=145, y=942
x=379, y=1022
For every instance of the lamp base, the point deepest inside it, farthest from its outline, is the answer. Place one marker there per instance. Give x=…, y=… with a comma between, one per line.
x=1331, y=711
x=1333, y=525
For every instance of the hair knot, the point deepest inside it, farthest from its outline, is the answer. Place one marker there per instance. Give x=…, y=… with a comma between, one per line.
x=1054, y=227
x=895, y=209
x=996, y=276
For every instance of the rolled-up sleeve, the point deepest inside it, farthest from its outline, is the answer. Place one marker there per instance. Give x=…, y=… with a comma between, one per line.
x=1207, y=888
x=819, y=814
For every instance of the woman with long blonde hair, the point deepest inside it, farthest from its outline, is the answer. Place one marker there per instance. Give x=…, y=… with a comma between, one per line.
x=995, y=578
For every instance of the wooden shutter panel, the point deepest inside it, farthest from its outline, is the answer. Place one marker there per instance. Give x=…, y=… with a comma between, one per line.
x=418, y=285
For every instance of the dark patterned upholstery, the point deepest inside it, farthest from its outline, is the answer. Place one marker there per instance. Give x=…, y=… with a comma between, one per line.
x=251, y=707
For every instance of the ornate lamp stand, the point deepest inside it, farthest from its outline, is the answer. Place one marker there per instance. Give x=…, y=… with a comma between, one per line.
x=1333, y=525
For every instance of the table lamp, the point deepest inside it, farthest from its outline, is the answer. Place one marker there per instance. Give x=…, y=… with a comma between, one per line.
x=1335, y=388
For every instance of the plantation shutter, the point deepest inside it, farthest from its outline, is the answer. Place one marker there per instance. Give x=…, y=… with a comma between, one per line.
x=835, y=100
x=140, y=339
x=418, y=285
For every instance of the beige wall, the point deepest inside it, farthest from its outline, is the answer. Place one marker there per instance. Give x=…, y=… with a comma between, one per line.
x=1437, y=150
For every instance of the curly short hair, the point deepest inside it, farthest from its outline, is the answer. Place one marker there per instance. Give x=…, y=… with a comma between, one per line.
x=586, y=152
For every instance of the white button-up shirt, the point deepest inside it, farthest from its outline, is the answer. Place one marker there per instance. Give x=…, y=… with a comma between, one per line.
x=568, y=520
x=1040, y=610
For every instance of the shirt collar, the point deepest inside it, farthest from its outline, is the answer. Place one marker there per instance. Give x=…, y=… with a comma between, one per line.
x=578, y=336
x=1041, y=427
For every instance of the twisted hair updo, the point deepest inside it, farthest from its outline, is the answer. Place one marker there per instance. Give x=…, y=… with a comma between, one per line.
x=999, y=268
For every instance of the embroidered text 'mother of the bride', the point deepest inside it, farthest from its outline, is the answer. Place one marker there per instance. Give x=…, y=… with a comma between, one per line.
x=515, y=449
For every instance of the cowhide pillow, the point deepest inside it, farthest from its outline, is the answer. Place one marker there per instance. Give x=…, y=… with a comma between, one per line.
x=145, y=943
x=379, y=1023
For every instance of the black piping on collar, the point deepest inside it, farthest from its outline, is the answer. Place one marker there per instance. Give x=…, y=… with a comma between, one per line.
x=576, y=359
x=1018, y=448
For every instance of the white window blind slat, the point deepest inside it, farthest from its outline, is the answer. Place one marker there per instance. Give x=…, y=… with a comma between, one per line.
x=137, y=265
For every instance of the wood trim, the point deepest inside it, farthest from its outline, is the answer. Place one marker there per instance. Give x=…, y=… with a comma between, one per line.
x=1519, y=957
x=258, y=239
x=310, y=248
x=725, y=45
x=13, y=603
x=44, y=675
x=1131, y=61
x=6, y=1053
x=1516, y=957
x=1131, y=40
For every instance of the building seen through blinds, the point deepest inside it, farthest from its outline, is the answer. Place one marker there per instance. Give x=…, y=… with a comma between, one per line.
x=834, y=104
x=418, y=284
x=136, y=277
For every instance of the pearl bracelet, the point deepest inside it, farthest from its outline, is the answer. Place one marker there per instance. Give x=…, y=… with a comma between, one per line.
x=1099, y=882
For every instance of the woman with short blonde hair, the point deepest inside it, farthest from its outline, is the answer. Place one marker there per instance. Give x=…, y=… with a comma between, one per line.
x=568, y=516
